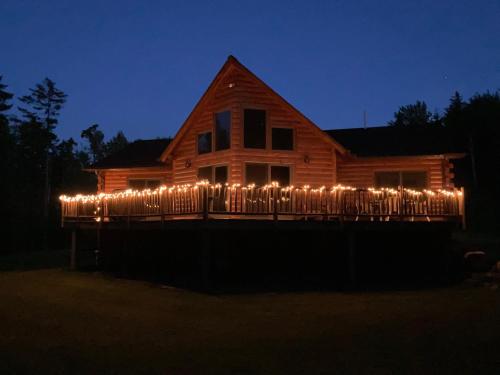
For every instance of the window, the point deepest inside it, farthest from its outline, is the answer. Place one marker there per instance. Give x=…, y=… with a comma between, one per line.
x=280, y=174
x=282, y=139
x=256, y=174
x=387, y=179
x=222, y=130
x=254, y=128
x=213, y=174
x=205, y=173
x=204, y=143
x=409, y=179
x=220, y=175
x=141, y=184
x=414, y=180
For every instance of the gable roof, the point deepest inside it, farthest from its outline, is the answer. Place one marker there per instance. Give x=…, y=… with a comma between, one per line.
x=233, y=62
x=398, y=141
x=140, y=153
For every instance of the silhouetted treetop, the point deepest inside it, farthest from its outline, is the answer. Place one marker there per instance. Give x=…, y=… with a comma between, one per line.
x=414, y=115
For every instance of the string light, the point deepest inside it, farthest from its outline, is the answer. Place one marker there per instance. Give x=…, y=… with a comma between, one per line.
x=130, y=193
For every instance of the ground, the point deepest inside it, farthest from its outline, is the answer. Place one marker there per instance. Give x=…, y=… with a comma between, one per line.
x=56, y=321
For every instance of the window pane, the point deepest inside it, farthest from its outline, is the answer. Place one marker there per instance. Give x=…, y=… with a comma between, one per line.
x=221, y=175
x=415, y=180
x=204, y=143
x=282, y=139
x=222, y=130
x=256, y=174
x=387, y=179
x=137, y=184
x=152, y=184
x=254, y=128
x=281, y=175
x=205, y=173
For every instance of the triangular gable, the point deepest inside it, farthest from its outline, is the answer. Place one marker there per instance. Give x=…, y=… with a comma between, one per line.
x=233, y=62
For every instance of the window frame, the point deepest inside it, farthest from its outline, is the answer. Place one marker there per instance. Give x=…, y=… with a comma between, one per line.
x=291, y=168
x=211, y=142
x=146, y=180
x=214, y=129
x=213, y=166
x=400, y=172
x=267, y=135
x=294, y=137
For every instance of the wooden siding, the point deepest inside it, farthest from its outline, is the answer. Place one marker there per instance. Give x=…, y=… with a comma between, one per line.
x=117, y=179
x=360, y=172
x=236, y=91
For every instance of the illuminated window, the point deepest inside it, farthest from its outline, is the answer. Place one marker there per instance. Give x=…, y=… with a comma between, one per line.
x=222, y=130
x=204, y=143
x=254, y=128
x=282, y=138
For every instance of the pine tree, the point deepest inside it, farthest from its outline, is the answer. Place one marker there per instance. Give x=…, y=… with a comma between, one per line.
x=413, y=115
x=41, y=109
x=95, y=138
x=117, y=143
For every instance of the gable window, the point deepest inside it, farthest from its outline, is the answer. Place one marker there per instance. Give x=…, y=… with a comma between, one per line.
x=280, y=174
x=222, y=130
x=217, y=174
x=256, y=174
x=282, y=138
x=254, y=128
x=141, y=184
x=408, y=179
x=205, y=143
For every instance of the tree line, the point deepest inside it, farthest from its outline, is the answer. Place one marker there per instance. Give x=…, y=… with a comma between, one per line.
x=37, y=166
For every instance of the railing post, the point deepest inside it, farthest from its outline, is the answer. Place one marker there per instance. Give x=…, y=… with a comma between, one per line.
x=205, y=202
x=275, y=205
x=401, y=201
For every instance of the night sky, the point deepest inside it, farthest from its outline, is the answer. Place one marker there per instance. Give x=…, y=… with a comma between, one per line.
x=140, y=66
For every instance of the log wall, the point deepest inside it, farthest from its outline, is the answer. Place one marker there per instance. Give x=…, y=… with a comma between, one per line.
x=236, y=91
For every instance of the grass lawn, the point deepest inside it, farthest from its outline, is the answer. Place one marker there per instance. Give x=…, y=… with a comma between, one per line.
x=56, y=321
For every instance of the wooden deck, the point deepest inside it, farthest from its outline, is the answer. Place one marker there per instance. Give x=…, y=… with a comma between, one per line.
x=204, y=202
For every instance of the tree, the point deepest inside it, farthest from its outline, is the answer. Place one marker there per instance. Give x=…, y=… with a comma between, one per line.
x=6, y=161
x=42, y=108
x=453, y=114
x=95, y=138
x=115, y=144
x=414, y=115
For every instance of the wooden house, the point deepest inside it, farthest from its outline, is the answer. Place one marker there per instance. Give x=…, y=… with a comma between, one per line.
x=241, y=131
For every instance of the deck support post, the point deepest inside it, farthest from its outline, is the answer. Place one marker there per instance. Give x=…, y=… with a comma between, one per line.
x=74, y=244
x=351, y=244
x=206, y=259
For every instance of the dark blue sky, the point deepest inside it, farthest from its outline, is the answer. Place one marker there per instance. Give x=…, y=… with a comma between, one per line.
x=140, y=66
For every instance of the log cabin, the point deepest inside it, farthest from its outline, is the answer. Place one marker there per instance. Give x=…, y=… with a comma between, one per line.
x=261, y=158
x=242, y=132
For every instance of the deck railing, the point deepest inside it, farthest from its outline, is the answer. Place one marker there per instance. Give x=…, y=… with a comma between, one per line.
x=272, y=202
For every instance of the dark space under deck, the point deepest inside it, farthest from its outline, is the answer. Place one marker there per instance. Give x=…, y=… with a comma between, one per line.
x=255, y=254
